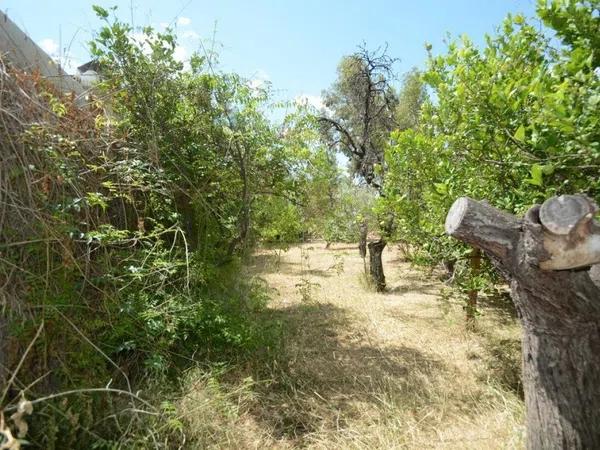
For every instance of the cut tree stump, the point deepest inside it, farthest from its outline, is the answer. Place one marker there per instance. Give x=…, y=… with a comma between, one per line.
x=559, y=308
x=376, y=264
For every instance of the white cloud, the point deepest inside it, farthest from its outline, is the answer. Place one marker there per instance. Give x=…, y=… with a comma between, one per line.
x=259, y=80
x=310, y=100
x=184, y=21
x=191, y=35
x=66, y=61
x=138, y=37
x=49, y=46
x=163, y=25
x=180, y=54
x=70, y=65
x=256, y=84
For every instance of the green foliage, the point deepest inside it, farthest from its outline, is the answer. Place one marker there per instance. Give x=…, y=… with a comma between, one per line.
x=411, y=97
x=207, y=131
x=513, y=122
x=128, y=250
x=282, y=221
x=321, y=202
x=352, y=205
x=333, y=206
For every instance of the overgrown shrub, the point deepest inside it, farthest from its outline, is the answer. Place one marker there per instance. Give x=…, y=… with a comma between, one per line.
x=119, y=236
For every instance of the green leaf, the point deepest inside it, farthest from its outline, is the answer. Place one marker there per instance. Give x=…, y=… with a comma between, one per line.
x=536, y=172
x=520, y=134
x=548, y=169
x=441, y=188
x=97, y=199
x=100, y=12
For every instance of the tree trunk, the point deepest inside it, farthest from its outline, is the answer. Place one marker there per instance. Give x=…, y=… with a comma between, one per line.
x=376, y=264
x=471, y=307
x=244, y=216
x=189, y=218
x=4, y=357
x=448, y=265
x=559, y=310
x=362, y=243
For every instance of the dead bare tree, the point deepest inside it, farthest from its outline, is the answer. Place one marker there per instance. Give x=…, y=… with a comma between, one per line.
x=552, y=259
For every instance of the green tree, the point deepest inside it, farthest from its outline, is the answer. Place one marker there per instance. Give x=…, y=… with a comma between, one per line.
x=411, y=97
x=207, y=130
x=514, y=122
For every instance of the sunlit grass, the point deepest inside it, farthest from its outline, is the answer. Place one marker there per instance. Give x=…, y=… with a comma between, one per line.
x=358, y=369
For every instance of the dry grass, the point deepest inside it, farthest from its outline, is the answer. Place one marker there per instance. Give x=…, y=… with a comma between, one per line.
x=364, y=370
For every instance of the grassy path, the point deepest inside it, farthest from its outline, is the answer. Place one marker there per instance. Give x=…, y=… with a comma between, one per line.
x=367, y=370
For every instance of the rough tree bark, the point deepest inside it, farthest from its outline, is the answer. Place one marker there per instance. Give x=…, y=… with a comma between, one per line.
x=471, y=307
x=376, y=265
x=362, y=243
x=559, y=309
x=4, y=336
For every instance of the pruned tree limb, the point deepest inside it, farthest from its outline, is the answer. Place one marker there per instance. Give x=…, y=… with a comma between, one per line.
x=559, y=309
x=479, y=224
x=571, y=236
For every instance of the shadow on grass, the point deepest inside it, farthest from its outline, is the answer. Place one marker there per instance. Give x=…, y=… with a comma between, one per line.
x=502, y=354
x=319, y=273
x=327, y=372
x=504, y=363
x=267, y=263
x=501, y=305
x=397, y=261
x=335, y=247
x=419, y=288
x=503, y=358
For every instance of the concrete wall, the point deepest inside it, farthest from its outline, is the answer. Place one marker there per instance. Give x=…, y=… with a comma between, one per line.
x=22, y=52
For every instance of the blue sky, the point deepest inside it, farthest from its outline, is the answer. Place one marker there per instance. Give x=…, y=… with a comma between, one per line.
x=295, y=45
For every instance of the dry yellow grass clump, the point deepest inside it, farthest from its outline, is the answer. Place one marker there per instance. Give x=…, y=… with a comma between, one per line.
x=359, y=369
